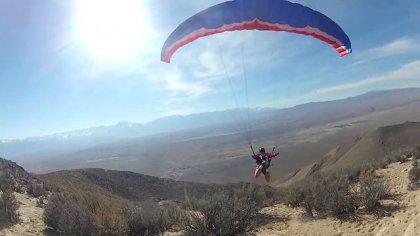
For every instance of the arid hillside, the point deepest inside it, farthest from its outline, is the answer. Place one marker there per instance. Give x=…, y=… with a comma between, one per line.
x=381, y=197
x=372, y=148
x=124, y=186
x=398, y=214
x=20, y=210
x=88, y=201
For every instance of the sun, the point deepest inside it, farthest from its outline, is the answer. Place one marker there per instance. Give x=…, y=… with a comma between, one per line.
x=112, y=29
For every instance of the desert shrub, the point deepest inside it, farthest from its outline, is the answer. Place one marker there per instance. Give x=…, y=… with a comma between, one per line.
x=414, y=175
x=402, y=158
x=403, y=155
x=302, y=195
x=331, y=194
x=113, y=227
x=151, y=223
x=325, y=194
x=294, y=196
x=67, y=218
x=370, y=190
x=6, y=181
x=35, y=189
x=396, y=158
x=172, y=216
x=144, y=223
x=75, y=221
x=416, y=156
x=41, y=201
x=338, y=193
x=8, y=207
x=415, y=152
x=52, y=212
x=383, y=164
x=308, y=200
x=20, y=188
x=274, y=196
x=390, y=159
x=230, y=212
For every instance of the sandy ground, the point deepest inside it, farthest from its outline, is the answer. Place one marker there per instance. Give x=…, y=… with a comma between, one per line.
x=31, y=218
x=399, y=216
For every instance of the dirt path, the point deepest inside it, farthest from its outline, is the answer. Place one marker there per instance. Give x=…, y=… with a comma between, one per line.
x=400, y=216
x=31, y=218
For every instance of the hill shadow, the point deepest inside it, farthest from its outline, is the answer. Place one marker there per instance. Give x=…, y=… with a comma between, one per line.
x=49, y=232
x=4, y=224
x=379, y=212
x=387, y=210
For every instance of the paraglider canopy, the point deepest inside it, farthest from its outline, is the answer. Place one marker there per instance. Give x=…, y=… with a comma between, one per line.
x=267, y=15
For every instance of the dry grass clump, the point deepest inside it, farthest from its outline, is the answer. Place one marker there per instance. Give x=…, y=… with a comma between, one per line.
x=169, y=216
x=8, y=207
x=68, y=215
x=324, y=194
x=8, y=203
x=404, y=155
x=140, y=223
x=230, y=212
x=414, y=175
x=337, y=193
x=80, y=214
x=35, y=189
x=67, y=218
x=371, y=190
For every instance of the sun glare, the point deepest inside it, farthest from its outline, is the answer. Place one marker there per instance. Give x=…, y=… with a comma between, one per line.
x=112, y=29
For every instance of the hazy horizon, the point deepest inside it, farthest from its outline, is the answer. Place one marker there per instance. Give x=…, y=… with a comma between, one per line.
x=6, y=139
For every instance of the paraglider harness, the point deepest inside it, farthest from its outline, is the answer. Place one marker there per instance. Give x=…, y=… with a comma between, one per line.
x=262, y=160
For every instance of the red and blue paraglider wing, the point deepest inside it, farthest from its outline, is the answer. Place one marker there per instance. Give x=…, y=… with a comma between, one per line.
x=269, y=15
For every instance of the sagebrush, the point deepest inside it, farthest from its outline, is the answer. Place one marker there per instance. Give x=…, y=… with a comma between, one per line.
x=337, y=193
x=414, y=175
x=229, y=212
x=67, y=218
x=8, y=207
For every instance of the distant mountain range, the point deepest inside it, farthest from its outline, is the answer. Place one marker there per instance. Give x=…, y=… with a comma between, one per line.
x=216, y=123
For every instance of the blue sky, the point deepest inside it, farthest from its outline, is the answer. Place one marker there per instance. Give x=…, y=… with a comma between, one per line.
x=74, y=64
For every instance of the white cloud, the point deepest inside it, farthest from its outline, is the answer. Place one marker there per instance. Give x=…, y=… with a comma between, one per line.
x=180, y=88
x=231, y=54
x=174, y=112
x=198, y=68
x=213, y=65
x=396, y=47
x=401, y=77
x=406, y=72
